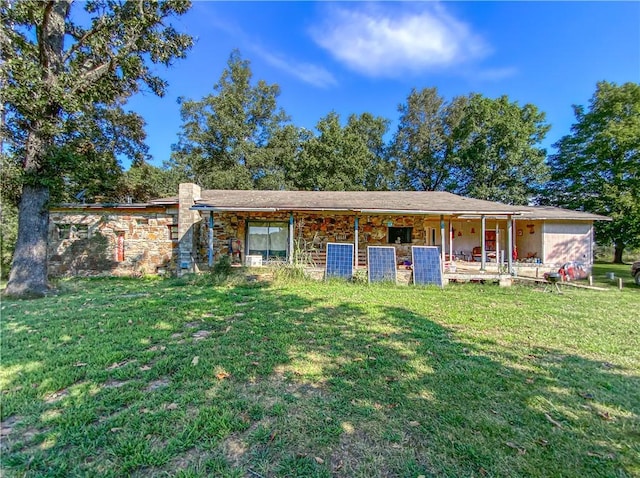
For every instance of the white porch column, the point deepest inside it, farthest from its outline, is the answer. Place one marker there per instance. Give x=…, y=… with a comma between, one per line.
x=450, y=240
x=291, y=229
x=483, y=226
x=510, y=243
x=355, y=242
x=210, y=238
x=442, y=241
x=498, y=261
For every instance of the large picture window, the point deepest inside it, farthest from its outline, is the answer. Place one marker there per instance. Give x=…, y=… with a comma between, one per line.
x=400, y=235
x=268, y=239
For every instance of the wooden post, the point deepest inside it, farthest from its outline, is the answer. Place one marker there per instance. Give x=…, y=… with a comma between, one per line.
x=590, y=280
x=620, y=283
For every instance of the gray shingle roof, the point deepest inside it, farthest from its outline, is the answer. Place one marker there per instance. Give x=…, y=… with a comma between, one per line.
x=550, y=213
x=372, y=201
x=421, y=202
x=398, y=202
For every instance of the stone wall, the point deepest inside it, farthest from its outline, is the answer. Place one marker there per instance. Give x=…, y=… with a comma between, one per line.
x=188, y=221
x=311, y=232
x=84, y=241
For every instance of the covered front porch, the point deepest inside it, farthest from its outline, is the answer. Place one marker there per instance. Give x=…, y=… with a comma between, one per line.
x=300, y=237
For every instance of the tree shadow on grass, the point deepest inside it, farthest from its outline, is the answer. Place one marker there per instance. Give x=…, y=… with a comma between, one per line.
x=249, y=380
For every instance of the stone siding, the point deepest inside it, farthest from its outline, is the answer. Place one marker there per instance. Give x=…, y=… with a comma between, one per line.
x=84, y=242
x=312, y=232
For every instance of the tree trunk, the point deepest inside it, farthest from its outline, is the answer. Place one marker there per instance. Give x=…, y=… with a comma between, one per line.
x=28, y=275
x=617, y=252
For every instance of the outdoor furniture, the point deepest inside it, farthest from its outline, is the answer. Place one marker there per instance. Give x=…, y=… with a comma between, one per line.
x=466, y=255
x=477, y=254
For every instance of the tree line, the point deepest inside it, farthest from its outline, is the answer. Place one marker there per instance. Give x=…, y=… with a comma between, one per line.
x=64, y=128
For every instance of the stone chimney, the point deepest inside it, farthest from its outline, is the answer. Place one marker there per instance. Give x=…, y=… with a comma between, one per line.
x=188, y=194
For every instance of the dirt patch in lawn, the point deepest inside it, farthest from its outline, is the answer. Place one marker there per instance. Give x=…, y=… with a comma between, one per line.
x=156, y=384
x=115, y=383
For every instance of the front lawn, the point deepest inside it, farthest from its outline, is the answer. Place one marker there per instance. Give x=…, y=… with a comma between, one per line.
x=116, y=377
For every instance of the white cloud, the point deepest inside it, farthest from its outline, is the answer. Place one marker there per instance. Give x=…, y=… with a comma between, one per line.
x=397, y=39
x=309, y=73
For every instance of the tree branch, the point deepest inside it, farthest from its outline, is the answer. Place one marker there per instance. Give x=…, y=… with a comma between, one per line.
x=100, y=25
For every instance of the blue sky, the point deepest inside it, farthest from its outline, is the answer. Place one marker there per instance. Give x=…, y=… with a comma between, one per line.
x=356, y=57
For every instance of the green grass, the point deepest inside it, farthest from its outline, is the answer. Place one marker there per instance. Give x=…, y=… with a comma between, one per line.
x=621, y=271
x=116, y=377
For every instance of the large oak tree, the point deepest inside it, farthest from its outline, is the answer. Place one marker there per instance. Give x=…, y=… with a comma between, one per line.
x=497, y=150
x=225, y=136
x=53, y=70
x=597, y=166
x=422, y=146
x=343, y=158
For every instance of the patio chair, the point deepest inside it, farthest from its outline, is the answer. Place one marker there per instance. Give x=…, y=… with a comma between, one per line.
x=476, y=255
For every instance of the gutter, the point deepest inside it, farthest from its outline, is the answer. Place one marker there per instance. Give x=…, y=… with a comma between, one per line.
x=232, y=209
x=477, y=214
x=208, y=208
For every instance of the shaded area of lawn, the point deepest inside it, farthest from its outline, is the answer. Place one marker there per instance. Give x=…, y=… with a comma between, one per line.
x=144, y=378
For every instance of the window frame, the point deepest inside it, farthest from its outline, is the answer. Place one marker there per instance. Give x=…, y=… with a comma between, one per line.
x=173, y=232
x=266, y=253
x=404, y=233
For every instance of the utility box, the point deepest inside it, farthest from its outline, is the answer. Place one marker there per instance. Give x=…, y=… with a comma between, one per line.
x=253, y=261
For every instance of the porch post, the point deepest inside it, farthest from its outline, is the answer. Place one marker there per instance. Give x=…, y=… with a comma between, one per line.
x=510, y=243
x=210, y=238
x=483, y=224
x=498, y=261
x=291, y=251
x=355, y=242
x=450, y=241
x=442, y=242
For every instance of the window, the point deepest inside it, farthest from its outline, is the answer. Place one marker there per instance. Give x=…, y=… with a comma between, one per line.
x=431, y=236
x=120, y=247
x=72, y=231
x=400, y=235
x=80, y=231
x=173, y=232
x=268, y=239
x=64, y=231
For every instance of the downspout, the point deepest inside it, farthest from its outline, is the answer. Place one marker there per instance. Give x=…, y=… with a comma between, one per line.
x=210, y=239
x=483, y=225
x=291, y=251
x=355, y=241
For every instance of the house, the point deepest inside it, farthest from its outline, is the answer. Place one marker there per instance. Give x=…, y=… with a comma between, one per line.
x=190, y=231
